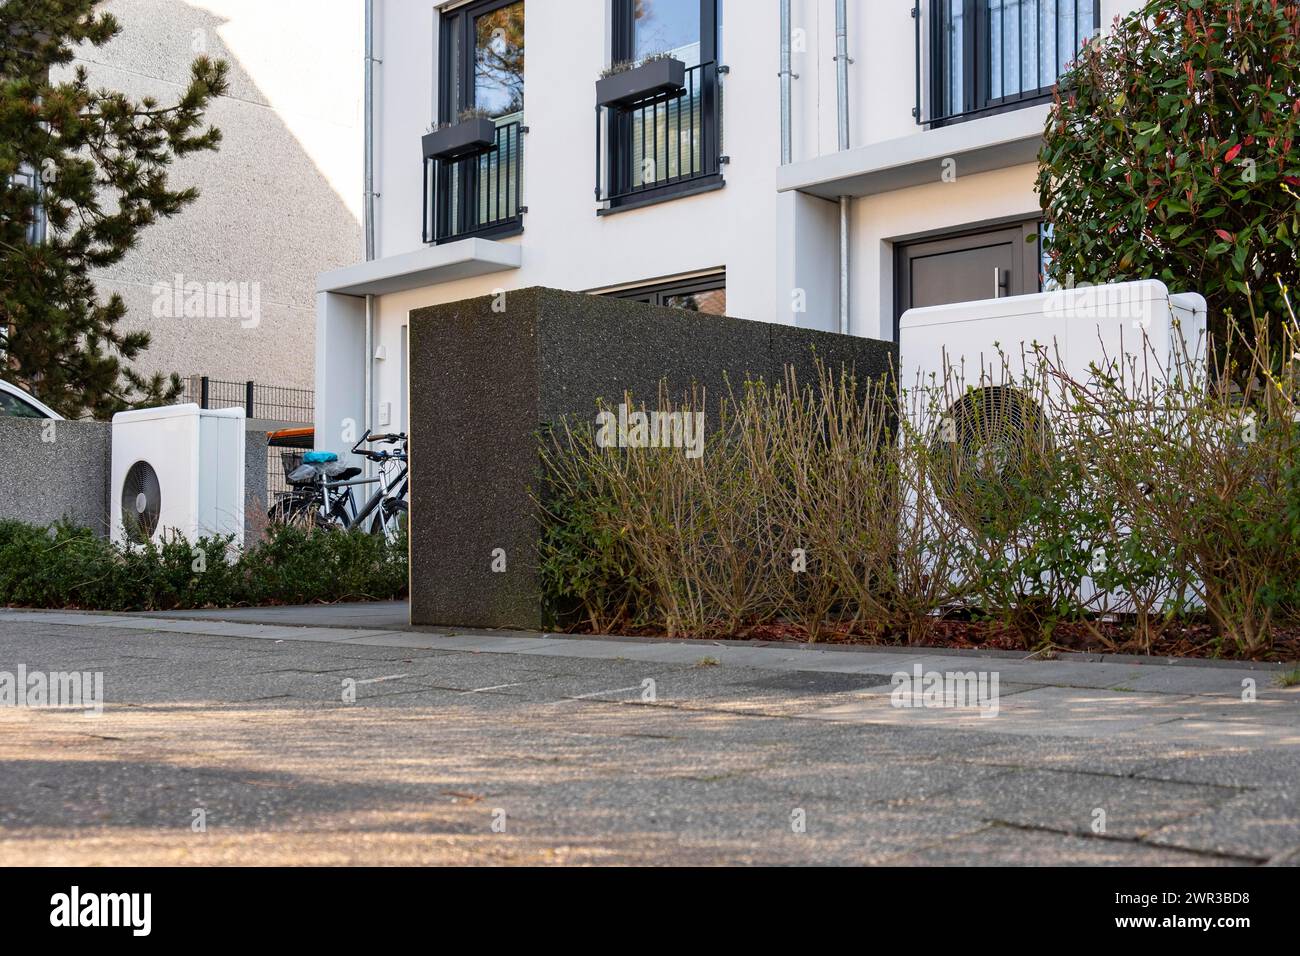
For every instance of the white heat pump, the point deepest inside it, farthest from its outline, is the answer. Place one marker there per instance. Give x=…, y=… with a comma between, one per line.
x=972, y=369
x=178, y=471
x=992, y=339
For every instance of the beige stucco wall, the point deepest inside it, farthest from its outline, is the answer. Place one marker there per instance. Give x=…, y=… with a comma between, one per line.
x=280, y=201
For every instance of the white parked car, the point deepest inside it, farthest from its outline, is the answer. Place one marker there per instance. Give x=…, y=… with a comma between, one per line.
x=14, y=401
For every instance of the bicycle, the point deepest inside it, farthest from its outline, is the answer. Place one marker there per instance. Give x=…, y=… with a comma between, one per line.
x=387, y=508
x=322, y=495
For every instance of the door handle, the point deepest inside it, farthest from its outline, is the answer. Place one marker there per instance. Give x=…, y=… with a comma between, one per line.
x=999, y=281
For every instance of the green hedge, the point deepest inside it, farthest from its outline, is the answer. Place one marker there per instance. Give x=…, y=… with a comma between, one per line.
x=70, y=567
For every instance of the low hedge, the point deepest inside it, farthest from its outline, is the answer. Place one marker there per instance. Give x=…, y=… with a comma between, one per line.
x=64, y=566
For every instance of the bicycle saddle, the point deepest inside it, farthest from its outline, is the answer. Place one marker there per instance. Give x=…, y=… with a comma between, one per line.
x=319, y=457
x=308, y=473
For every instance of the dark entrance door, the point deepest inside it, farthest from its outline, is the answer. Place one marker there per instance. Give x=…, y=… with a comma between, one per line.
x=964, y=267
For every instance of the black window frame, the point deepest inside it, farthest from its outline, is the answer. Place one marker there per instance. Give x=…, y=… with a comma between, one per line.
x=456, y=46
x=976, y=82
x=656, y=293
x=618, y=123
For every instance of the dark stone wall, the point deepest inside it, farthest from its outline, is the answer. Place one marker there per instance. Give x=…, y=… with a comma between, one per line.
x=484, y=382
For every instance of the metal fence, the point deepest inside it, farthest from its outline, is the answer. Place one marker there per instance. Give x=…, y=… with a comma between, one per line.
x=276, y=403
x=269, y=402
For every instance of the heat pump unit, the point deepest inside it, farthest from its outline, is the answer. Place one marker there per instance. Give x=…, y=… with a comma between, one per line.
x=973, y=375
x=178, y=471
x=992, y=344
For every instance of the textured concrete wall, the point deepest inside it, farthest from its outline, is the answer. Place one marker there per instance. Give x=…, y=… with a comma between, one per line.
x=59, y=470
x=255, y=503
x=55, y=470
x=280, y=201
x=484, y=381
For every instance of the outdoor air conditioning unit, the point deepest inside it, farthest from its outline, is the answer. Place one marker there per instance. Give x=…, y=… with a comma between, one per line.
x=178, y=471
x=972, y=373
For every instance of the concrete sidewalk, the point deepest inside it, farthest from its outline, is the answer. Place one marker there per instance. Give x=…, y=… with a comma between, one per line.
x=622, y=750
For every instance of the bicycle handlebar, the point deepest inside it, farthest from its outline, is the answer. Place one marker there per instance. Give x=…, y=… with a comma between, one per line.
x=379, y=456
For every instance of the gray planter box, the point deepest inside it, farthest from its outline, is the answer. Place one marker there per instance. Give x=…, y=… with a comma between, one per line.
x=463, y=139
x=641, y=83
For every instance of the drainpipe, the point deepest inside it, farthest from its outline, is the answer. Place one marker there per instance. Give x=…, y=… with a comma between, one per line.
x=785, y=74
x=368, y=200
x=368, y=212
x=842, y=91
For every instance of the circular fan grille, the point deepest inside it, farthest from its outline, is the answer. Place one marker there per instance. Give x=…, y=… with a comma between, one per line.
x=989, y=451
x=141, y=502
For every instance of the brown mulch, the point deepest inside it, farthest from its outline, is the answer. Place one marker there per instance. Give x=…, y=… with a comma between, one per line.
x=1193, y=640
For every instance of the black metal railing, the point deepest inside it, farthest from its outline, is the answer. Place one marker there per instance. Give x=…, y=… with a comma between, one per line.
x=275, y=403
x=664, y=142
x=988, y=56
x=476, y=195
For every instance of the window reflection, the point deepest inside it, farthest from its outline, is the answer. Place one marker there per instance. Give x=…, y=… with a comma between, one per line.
x=499, y=61
x=667, y=26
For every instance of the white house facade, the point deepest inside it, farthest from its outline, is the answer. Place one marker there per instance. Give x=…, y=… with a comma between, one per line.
x=821, y=163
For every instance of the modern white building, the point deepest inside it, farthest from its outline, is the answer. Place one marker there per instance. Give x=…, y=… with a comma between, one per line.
x=897, y=171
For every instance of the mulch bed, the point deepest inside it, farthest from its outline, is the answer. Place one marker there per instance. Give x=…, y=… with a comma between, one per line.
x=1194, y=640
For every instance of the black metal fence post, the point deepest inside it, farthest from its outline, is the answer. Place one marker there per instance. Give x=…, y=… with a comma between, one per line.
x=203, y=392
x=248, y=399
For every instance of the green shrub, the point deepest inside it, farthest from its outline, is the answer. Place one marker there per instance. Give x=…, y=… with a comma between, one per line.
x=1130, y=503
x=69, y=567
x=1169, y=154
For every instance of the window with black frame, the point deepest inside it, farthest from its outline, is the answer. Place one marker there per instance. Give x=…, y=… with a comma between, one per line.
x=668, y=142
x=704, y=294
x=987, y=56
x=478, y=192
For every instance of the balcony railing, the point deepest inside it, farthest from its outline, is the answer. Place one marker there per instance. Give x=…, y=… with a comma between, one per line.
x=662, y=144
x=476, y=195
x=976, y=57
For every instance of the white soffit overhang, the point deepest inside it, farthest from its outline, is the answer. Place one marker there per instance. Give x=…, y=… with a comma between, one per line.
x=424, y=267
x=977, y=146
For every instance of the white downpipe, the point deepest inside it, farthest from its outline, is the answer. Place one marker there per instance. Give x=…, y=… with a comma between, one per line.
x=844, y=265
x=785, y=74
x=842, y=69
x=368, y=213
x=842, y=97
x=368, y=134
x=370, y=368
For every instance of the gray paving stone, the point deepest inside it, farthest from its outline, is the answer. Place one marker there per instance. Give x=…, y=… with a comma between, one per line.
x=1004, y=846
x=1273, y=767
x=708, y=773
x=1253, y=824
x=1068, y=801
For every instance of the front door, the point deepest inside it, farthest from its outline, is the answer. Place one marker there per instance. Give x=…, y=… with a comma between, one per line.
x=966, y=267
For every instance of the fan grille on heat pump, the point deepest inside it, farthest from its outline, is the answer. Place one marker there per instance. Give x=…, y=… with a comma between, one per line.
x=989, y=451
x=141, y=502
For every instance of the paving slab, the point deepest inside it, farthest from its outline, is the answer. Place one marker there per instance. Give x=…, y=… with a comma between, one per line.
x=1072, y=802
x=1236, y=766
x=732, y=762
x=1253, y=824
x=1006, y=846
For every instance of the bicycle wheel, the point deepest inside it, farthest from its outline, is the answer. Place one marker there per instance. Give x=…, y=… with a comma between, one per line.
x=297, y=511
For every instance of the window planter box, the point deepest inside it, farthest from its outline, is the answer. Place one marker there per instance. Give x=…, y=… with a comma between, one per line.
x=463, y=139
x=641, y=83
